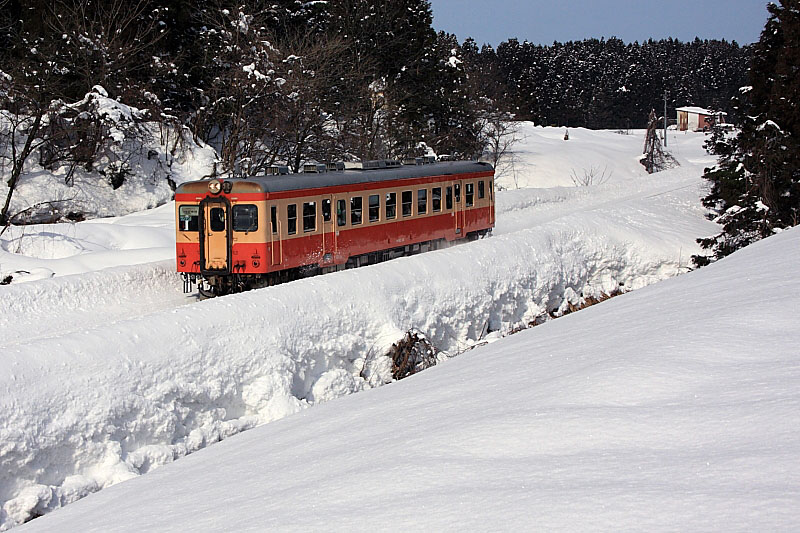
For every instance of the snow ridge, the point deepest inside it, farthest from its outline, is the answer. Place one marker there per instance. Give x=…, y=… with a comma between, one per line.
x=97, y=407
x=28, y=313
x=648, y=412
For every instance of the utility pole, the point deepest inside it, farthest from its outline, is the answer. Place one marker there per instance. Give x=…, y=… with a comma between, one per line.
x=665, y=117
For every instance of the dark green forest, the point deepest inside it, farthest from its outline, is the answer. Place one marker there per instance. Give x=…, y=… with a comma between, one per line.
x=608, y=83
x=288, y=81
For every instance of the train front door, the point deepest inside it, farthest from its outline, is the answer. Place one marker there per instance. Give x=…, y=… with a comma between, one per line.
x=214, y=235
x=329, y=238
x=458, y=207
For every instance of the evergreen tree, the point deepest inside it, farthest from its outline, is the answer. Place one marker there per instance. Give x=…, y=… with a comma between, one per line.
x=755, y=187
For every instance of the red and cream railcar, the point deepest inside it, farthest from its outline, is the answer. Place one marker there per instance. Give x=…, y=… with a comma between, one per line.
x=242, y=233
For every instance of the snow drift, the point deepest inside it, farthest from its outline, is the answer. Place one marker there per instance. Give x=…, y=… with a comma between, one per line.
x=91, y=408
x=672, y=408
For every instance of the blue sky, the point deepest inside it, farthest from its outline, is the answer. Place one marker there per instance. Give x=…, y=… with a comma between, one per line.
x=545, y=21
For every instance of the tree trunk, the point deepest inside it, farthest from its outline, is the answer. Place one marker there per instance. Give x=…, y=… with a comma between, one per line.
x=19, y=164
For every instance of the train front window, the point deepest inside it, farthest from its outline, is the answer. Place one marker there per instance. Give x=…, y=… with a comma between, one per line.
x=309, y=216
x=457, y=187
x=374, y=207
x=422, y=201
x=436, y=199
x=245, y=217
x=491, y=188
x=407, y=199
x=217, y=216
x=273, y=218
x=481, y=189
x=448, y=198
x=341, y=213
x=291, y=218
x=391, y=205
x=188, y=217
x=355, y=210
x=469, y=193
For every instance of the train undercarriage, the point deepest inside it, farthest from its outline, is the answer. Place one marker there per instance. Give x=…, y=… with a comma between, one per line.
x=212, y=285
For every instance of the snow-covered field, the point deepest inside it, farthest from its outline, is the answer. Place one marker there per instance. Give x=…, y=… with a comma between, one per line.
x=673, y=408
x=108, y=373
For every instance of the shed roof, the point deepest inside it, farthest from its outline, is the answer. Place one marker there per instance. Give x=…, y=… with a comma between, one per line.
x=700, y=111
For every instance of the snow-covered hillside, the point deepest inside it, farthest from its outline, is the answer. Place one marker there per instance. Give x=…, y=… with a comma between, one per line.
x=675, y=408
x=542, y=158
x=107, y=374
x=136, y=160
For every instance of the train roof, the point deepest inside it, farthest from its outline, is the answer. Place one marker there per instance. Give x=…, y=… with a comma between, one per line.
x=300, y=181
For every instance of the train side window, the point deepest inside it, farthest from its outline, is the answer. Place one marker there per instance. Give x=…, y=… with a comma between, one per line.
x=374, y=207
x=407, y=203
x=457, y=187
x=448, y=198
x=469, y=193
x=188, y=216
x=309, y=216
x=341, y=213
x=291, y=219
x=436, y=199
x=422, y=201
x=273, y=218
x=217, y=217
x=391, y=205
x=491, y=189
x=481, y=189
x=326, y=210
x=355, y=210
x=245, y=217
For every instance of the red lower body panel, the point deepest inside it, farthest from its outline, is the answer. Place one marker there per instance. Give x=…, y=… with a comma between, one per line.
x=330, y=248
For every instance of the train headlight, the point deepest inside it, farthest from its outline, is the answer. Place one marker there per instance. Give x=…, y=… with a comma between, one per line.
x=214, y=187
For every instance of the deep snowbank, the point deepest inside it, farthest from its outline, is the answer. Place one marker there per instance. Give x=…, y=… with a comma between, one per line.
x=30, y=253
x=672, y=408
x=53, y=307
x=91, y=408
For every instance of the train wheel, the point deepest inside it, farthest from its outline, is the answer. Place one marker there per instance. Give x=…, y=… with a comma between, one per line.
x=203, y=293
